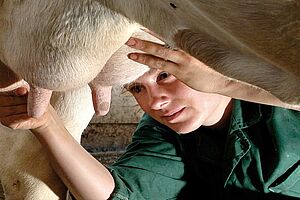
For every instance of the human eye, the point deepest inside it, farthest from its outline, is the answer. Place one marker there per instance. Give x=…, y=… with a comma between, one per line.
x=162, y=75
x=135, y=88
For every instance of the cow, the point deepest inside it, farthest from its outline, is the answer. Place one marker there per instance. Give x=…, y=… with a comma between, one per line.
x=63, y=45
x=255, y=41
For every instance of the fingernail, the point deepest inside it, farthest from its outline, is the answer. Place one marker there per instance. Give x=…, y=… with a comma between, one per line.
x=131, y=42
x=132, y=56
x=20, y=91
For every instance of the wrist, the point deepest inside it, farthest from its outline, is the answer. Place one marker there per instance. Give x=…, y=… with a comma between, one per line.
x=49, y=122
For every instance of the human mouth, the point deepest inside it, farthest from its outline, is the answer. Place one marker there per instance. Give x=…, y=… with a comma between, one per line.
x=172, y=116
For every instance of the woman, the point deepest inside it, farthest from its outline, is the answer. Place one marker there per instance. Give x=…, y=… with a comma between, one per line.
x=189, y=142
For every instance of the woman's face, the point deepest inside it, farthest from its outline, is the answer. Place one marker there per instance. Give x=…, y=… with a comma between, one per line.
x=176, y=105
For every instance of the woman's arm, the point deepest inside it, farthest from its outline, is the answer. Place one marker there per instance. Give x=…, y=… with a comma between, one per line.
x=199, y=76
x=85, y=177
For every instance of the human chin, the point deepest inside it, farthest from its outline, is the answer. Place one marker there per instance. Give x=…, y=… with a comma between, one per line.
x=185, y=127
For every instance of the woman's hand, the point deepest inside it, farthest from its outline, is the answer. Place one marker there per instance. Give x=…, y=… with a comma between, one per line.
x=13, y=111
x=199, y=76
x=179, y=63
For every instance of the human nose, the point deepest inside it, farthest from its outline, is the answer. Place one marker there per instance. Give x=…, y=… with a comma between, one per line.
x=158, y=98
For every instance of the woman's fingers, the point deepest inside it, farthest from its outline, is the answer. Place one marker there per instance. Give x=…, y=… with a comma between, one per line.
x=16, y=117
x=19, y=121
x=13, y=110
x=13, y=107
x=177, y=62
x=12, y=98
x=154, y=62
x=7, y=100
x=158, y=50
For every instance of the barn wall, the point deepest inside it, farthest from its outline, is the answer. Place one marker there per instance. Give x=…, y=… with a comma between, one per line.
x=106, y=137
